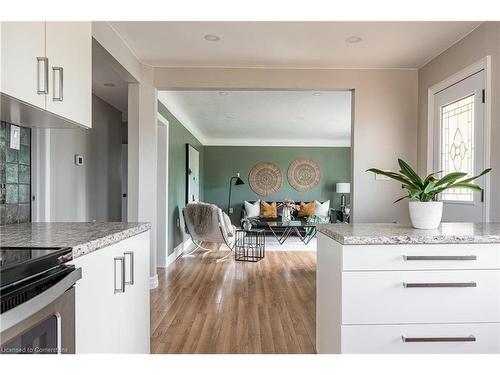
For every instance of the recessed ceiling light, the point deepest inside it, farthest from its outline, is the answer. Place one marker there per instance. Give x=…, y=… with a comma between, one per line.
x=354, y=39
x=223, y=93
x=317, y=93
x=212, y=37
x=109, y=84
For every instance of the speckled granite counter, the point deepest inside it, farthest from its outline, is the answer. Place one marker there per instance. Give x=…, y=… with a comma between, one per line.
x=393, y=234
x=84, y=238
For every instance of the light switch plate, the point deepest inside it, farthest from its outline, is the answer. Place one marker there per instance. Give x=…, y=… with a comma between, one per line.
x=231, y=210
x=15, y=137
x=79, y=160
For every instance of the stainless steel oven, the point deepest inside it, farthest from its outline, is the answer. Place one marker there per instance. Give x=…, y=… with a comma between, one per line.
x=38, y=310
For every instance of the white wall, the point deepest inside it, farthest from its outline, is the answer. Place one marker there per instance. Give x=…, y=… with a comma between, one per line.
x=162, y=189
x=385, y=119
x=483, y=41
x=142, y=109
x=104, y=182
x=68, y=182
x=142, y=158
x=92, y=191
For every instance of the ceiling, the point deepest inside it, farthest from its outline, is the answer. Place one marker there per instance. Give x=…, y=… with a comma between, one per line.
x=290, y=44
x=270, y=118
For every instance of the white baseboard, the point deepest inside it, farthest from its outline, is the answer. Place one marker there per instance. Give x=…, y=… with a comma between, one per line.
x=153, y=282
x=183, y=247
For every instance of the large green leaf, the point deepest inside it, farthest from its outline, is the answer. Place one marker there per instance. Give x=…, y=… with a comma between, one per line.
x=410, y=173
x=414, y=193
x=400, y=199
x=473, y=187
x=394, y=176
x=450, y=178
x=487, y=170
x=426, y=197
x=429, y=187
x=438, y=190
x=431, y=177
x=465, y=185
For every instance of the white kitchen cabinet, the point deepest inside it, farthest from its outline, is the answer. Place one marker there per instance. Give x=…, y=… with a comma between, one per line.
x=22, y=62
x=481, y=338
x=97, y=306
x=46, y=73
x=407, y=298
x=112, y=298
x=387, y=297
x=134, y=305
x=69, y=50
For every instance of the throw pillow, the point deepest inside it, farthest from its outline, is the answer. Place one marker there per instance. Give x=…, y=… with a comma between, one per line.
x=268, y=210
x=322, y=209
x=306, y=209
x=252, y=209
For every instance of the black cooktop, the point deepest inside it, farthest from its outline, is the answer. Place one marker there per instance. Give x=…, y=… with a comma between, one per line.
x=19, y=263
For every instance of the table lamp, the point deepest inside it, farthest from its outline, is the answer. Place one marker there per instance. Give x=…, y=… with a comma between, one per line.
x=343, y=188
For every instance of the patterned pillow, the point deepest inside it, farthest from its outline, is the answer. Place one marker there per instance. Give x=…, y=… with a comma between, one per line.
x=318, y=219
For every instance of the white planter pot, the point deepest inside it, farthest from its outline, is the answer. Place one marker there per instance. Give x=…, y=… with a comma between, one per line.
x=425, y=215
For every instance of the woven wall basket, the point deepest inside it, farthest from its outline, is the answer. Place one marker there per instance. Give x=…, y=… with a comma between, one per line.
x=304, y=174
x=265, y=178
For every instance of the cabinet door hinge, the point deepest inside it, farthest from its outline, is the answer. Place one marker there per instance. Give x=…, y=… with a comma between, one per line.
x=482, y=195
x=484, y=96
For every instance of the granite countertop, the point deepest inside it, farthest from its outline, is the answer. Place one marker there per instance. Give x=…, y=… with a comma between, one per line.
x=84, y=238
x=394, y=234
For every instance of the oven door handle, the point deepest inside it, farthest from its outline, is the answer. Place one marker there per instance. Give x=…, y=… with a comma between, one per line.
x=14, y=316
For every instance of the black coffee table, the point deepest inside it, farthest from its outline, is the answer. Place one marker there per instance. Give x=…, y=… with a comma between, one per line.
x=283, y=229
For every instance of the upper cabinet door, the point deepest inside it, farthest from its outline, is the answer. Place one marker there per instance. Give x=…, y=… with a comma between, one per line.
x=69, y=49
x=22, y=63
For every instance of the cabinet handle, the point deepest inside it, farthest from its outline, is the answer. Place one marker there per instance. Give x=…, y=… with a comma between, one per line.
x=121, y=289
x=439, y=339
x=471, y=284
x=45, y=62
x=60, y=71
x=131, y=267
x=439, y=257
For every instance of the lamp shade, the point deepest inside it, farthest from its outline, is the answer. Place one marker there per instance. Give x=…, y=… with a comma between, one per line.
x=239, y=181
x=343, y=187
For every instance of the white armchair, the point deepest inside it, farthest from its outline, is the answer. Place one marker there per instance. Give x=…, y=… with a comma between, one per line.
x=206, y=222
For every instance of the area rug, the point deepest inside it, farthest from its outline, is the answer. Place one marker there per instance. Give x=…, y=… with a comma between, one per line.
x=291, y=244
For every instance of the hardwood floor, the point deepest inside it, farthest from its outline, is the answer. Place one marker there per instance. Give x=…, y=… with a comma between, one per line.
x=204, y=306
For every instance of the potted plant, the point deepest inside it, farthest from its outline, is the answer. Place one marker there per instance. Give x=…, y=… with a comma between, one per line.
x=425, y=210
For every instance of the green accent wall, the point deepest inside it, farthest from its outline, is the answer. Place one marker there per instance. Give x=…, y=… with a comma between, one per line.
x=178, y=137
x=222, y=162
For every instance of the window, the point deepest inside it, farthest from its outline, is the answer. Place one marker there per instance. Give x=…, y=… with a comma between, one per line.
x=457, y=144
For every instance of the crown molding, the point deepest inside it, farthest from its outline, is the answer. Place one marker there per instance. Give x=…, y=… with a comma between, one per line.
x=275, y=142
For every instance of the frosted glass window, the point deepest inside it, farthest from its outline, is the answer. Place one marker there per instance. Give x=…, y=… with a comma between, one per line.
x=457, y=144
